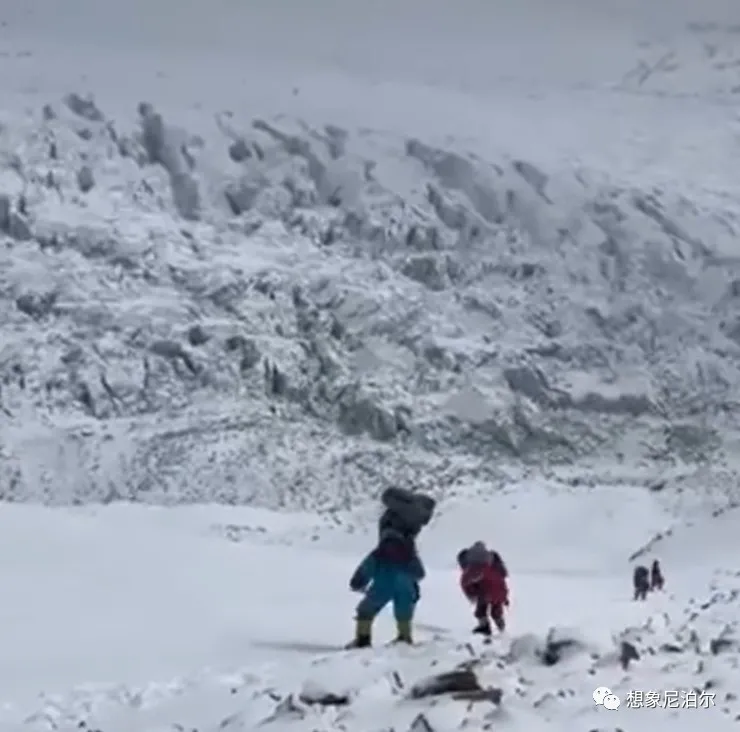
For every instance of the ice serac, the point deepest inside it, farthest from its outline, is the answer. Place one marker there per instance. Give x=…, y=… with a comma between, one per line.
x=179, y=314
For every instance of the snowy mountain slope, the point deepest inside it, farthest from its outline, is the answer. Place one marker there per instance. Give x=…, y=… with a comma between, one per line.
x=179, y=628
x=214, y=266
x=293, y=253
x=513, y=314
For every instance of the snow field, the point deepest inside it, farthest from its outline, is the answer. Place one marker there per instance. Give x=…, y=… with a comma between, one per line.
x=141, y=618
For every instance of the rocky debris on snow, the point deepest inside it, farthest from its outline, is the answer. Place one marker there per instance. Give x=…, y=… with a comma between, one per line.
x=280, y=288
x=463, y=681
x=421, y=723
x=313, y=694
x=468, y=696
x=560, y=644
x=287, y=709
x=627, y=654
x=84, y=107
x=684, y=646
x=719, y=645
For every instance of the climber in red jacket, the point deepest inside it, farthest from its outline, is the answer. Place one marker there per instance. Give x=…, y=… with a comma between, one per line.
x=483, y=581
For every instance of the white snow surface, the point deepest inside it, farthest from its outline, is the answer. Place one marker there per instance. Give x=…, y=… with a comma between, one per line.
x=260, y=260
x=145, y=618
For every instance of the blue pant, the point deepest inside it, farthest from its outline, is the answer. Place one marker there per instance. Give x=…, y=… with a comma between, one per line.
x=390, y=584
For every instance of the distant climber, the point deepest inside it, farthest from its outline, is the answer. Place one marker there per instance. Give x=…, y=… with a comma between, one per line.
x=393, y=570
x=656, y=576
x=641, y=582
x=483, y=581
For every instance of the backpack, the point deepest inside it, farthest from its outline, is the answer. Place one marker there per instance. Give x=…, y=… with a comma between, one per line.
x=498, y=564
x=479, y=554
x=406, y=513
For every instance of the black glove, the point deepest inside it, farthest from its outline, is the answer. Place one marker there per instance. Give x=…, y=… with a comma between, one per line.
x=358, y=582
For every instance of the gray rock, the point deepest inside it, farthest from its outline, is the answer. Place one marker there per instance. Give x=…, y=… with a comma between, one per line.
x=186, y=196
x=276, y=380
x=239, y=151
x=175, y=352
x=627, y=654
x=559, y=645
x=718, y=645
x=5, y=211
x=530, y=382
x=235, y=343
x=163, y=149
x=289, y=708
x=250, y=355
x=84, y=107
x=691, y=441
x=421, y=723
x=37, y=306
x=457, y=681
x=19, y=227
x=155, y=139
x=634, y=405
x=425, y=270
x=359, y=414
x=323, y=698
x=533, y=175
x=241, y=195
x=167, y=349
x=424, y=238
x=13, y=222
x=85, y=179
x=197, y=336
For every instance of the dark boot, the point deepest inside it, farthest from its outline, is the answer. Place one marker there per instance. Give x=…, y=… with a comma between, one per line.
x=404, y=632
x=363, y=635
x=483, y=628
x=497, y=614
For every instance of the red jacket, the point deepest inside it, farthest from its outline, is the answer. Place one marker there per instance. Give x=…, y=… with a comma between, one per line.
x=483, y=582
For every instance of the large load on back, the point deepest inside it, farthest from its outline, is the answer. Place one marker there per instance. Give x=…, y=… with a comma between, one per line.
x=406, y=513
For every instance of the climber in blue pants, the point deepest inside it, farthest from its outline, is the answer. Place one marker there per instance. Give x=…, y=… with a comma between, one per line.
x=390, y=573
